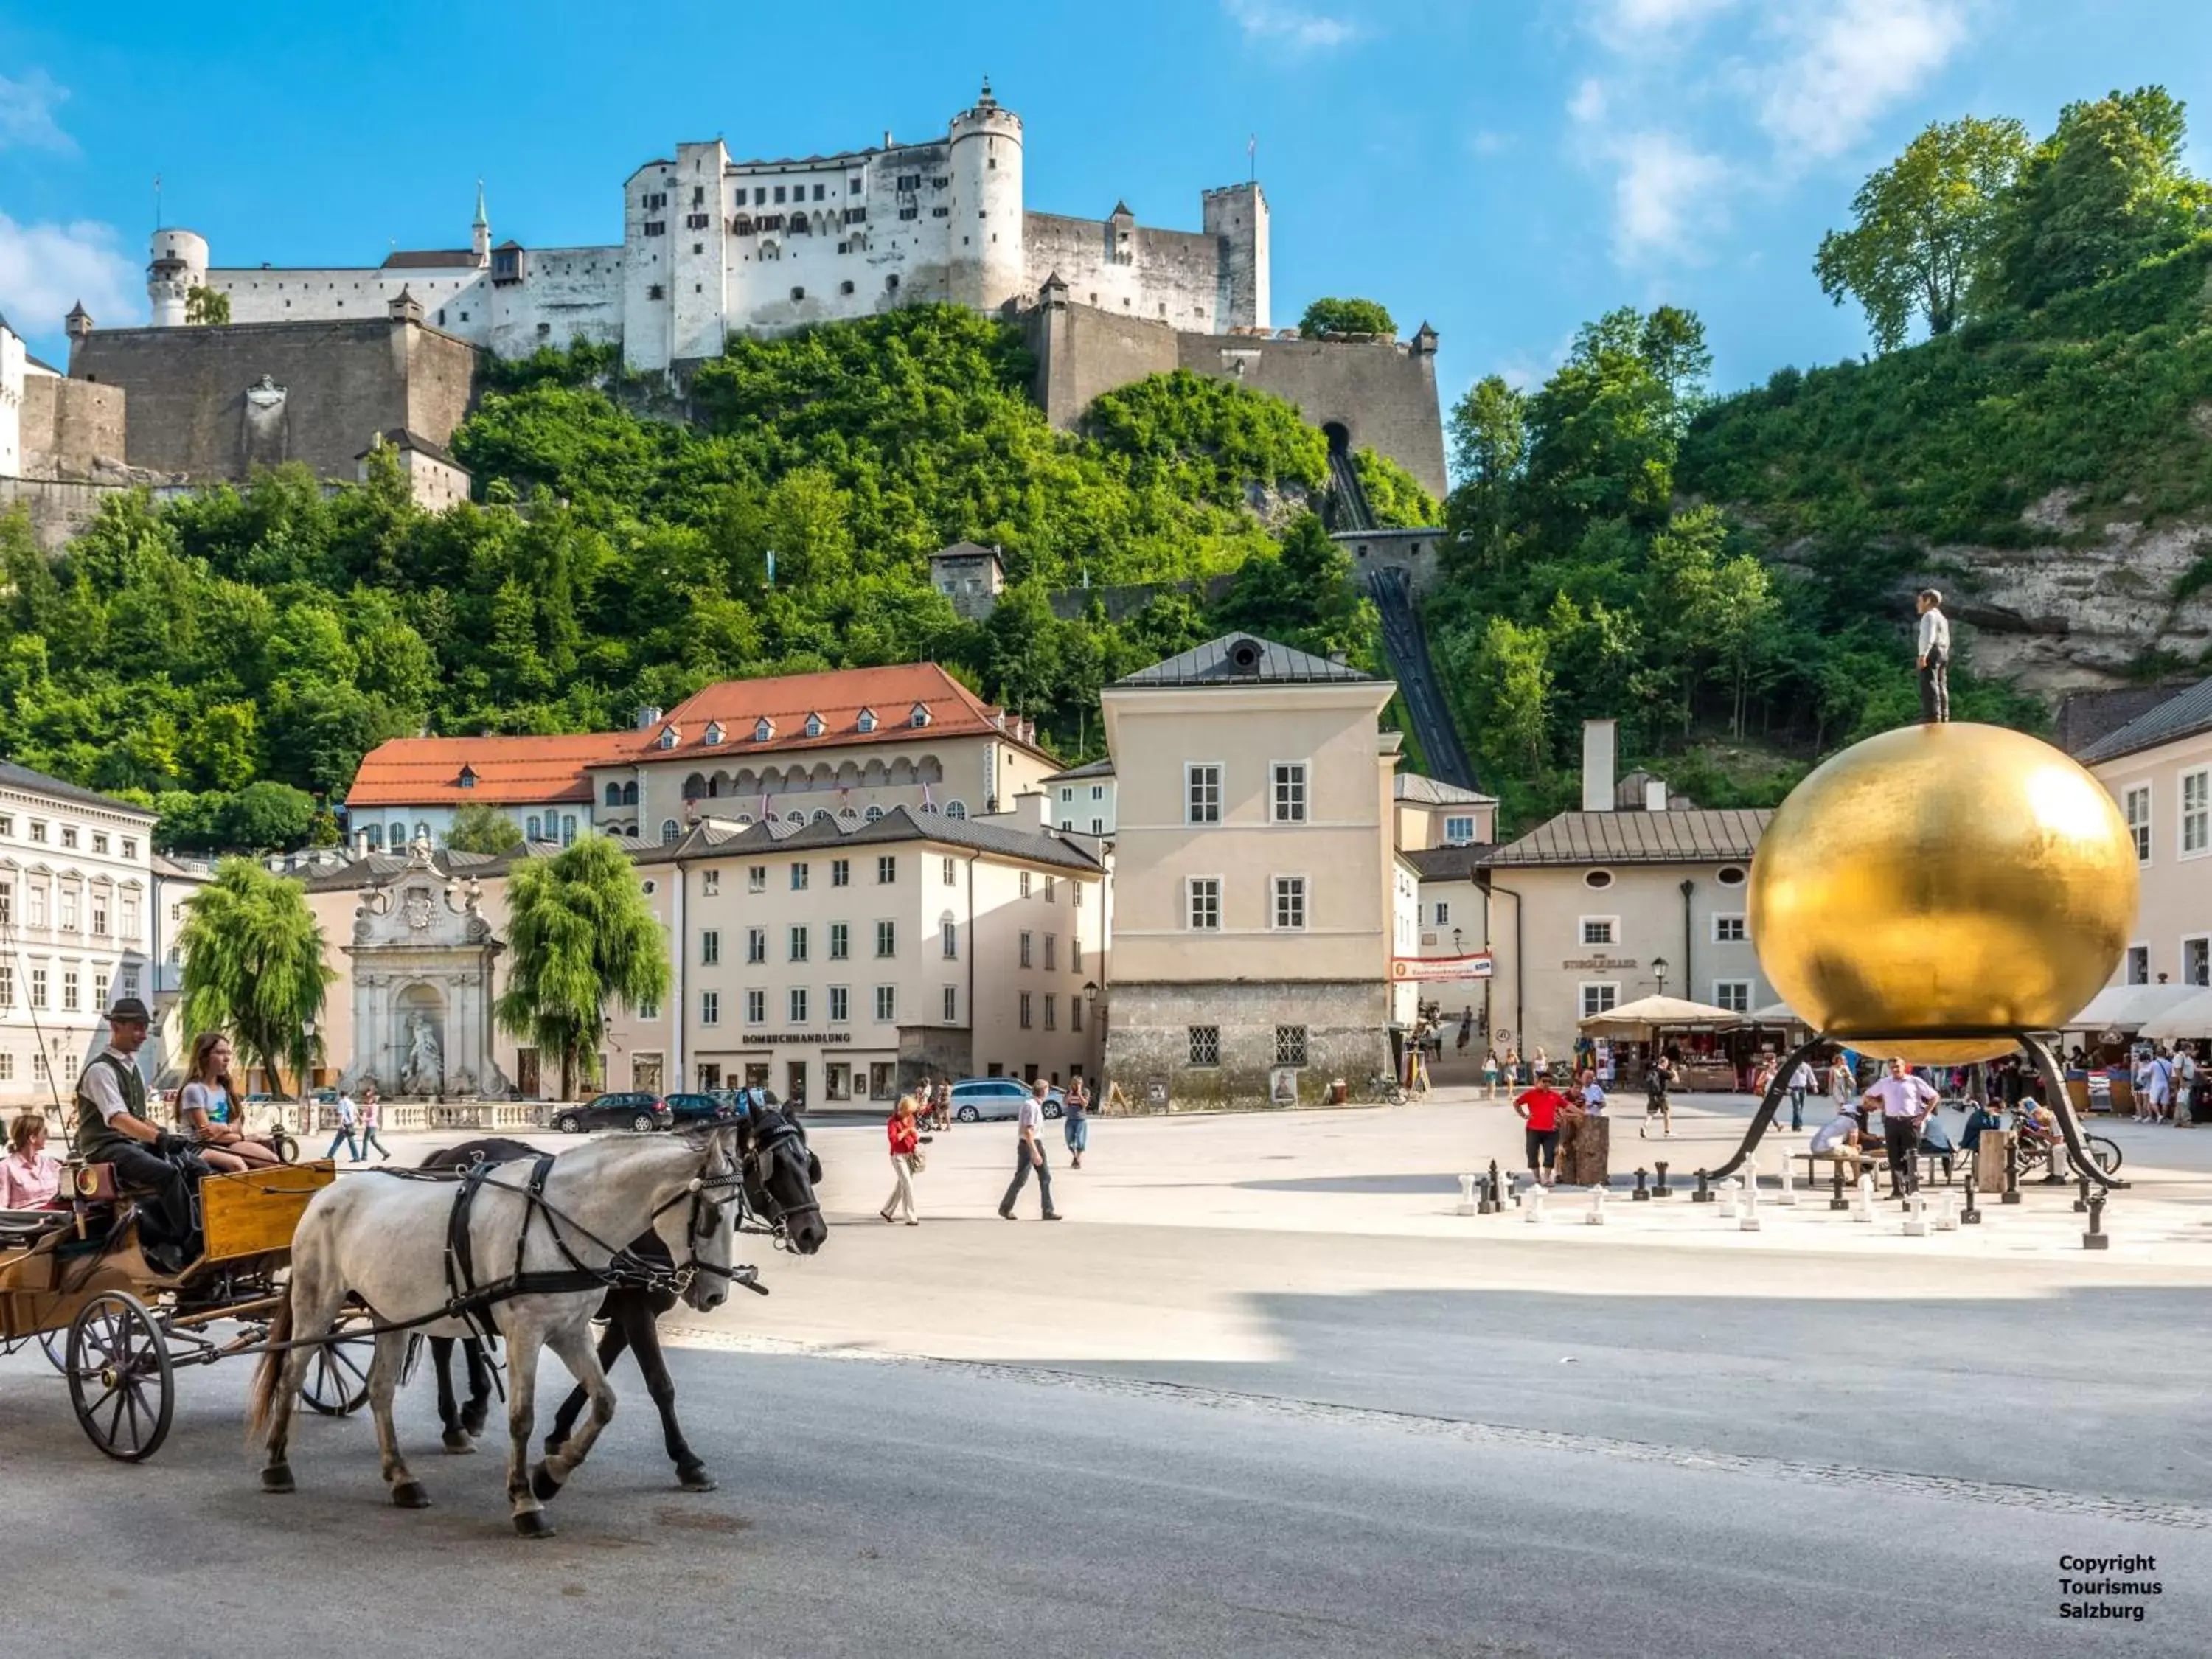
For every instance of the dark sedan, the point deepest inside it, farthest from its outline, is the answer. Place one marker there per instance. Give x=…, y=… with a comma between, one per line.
x=620, y=1111
x=711, y=1108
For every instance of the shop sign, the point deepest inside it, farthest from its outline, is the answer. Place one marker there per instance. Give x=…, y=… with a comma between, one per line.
x=1473, y=965
x=1600, y=964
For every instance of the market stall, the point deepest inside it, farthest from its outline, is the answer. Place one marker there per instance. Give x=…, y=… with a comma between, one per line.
x=1698, y=1034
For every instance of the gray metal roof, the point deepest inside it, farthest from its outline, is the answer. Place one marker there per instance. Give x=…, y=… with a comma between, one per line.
x=371, y=868
x=1434, y=792
x=2182, y=716
x=22, y=777
x=900, y=823
x=1213, y=664
x=1101, y=768
x=1693, y=837
x=1451, y=863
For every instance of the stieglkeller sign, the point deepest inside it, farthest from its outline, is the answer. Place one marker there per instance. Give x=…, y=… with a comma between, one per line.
x=1474, y=965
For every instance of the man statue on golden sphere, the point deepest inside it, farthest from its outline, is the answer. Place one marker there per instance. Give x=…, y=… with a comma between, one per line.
x=1933, y=888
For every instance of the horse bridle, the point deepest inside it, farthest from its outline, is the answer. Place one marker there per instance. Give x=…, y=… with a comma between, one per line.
x=775, y=1214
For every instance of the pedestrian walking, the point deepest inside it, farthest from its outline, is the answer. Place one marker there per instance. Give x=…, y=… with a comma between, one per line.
x=1935, y=657
x=1658, y=1078
x=1512, y=1066
x=1028, y=1151
x=1466, y=1030
x=1801, y=1084
x=371, y=1114
x=1490, y=1074
x=1538, y=1106
x=1905, y=1101
x=906, y=1160
x=1542, y=1065
x=349, y=1122
x=1842, y=1077
x=1075, y=1122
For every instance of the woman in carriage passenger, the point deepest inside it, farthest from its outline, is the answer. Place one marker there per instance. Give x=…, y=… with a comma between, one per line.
x=209, y=1109
x=30, y=1176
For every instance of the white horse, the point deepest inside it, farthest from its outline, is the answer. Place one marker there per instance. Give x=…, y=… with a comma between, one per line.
x=385, y=1241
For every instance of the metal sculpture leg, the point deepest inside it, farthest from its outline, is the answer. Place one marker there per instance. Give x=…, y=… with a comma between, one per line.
x=1767, y=1108
x=2054, y=1085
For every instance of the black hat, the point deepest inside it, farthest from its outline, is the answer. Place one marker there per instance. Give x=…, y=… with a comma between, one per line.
x=130, y=1008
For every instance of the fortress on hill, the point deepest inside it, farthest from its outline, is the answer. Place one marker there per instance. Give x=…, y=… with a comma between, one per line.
x=320, y=365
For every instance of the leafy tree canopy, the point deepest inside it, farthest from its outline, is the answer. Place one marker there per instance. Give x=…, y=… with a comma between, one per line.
x=1336, y=319
x=254, y=967
x=480, y=829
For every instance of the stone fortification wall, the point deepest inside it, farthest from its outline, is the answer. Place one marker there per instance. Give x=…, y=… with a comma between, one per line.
x=1123, y=602
x=198, y=404
x=1127, y=269
x=70, y=424
x=1081, y=352
x=1148, y=1039
x=63, y=508
x=1383, y=393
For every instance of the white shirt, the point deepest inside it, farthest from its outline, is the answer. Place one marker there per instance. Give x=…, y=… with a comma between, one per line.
x=99, y=1082
x=1802, y=1078
x=1935, y=631
x=348, y=1114
x=1593, y=1099
x=1833, y=1133
x=1903, y=1096
x=1031, y=1114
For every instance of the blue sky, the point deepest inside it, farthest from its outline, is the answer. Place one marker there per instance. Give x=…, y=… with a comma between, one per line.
x=1504, y=170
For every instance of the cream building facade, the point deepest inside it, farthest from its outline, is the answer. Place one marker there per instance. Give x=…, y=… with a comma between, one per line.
x=1256, y=892
x=75, y=894
x=2159, y=770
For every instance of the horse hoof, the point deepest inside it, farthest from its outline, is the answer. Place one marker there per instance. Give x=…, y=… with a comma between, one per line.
x=473, y=1419
x=542, y=1486
x=457, y=1442
x=697, y=1479
x=534, y=1523
x=277, y=1477
x=409, y=1495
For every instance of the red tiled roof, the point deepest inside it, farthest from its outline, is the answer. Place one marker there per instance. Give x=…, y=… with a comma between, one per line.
x=510, y=771
x=838, y=696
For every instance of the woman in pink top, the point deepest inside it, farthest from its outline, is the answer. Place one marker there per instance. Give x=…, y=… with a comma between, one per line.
x=30, y=1177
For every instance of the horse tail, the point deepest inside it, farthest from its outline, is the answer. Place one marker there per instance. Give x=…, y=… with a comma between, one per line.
x=262, y=1400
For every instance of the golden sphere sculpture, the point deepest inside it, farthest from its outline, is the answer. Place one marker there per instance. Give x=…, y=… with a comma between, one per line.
x=1942, y=877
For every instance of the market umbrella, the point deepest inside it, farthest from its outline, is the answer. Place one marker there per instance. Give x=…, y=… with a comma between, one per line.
x=2125, y=1007
x=1647, y=1014
x=2191, y=1017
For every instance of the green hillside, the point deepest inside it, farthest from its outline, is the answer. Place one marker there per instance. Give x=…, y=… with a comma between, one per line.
x=230, y=657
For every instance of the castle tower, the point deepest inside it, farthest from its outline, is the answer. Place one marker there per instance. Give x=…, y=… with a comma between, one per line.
x=180, y=265
x=480, y=231
x=984, y=259
x=1237, y=215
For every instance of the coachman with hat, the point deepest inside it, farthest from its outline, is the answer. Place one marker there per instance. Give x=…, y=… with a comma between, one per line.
x=112, y=1127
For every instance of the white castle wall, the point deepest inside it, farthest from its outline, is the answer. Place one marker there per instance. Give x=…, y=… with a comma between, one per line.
x=11, y=405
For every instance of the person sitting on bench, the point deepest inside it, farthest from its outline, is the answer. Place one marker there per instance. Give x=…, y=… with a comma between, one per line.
x=112, y=1127
x=1839, y=1136
x=30, y=1176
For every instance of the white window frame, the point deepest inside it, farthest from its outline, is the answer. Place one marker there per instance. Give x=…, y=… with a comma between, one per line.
x=1190, y=885
x=2128, y=960
x=710, y=1007
x=2138, y=826
x=1190, y=771
x=796, y=1004
x=2188, y=939
x=1729, y=987
x=1612, y=926
x=2197, y=818
x=756, y=1005
x=1442, y=913
x=1275, y=922
x=1459, y=837
x=886, y=1005
x=951, y=1004
x=1743, y=934
x=1610, y=993
x=841, y=1004
x=1301, y=775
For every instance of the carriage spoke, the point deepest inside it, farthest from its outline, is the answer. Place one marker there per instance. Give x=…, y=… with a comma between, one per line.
x=115, y=1417
x=131, y=1407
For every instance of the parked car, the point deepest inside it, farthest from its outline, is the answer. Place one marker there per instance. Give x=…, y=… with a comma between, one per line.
x=978, y=1098
x=712, y=1106
x=618, y=1111
x=729, y=1097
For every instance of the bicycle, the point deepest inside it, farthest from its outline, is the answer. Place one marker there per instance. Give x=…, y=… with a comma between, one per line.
x=1385, y=1087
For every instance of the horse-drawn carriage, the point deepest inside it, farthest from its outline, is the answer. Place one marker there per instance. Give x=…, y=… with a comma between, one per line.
x=75, y=1280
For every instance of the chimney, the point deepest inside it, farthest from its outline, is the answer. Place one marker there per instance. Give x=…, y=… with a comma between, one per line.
x=1597, y=766
x=1655, y=795
x=648, y=718
x=1033, y=809
x=360, y=844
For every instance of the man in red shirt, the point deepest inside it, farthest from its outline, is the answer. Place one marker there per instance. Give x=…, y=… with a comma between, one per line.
x=1540, y=1107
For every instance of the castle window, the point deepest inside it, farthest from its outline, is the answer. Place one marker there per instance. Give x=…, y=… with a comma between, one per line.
x=919, y=715
x=465, y=316
x=891, y=282
x=910, y=213
x=700, y=247
x=779, y=193
x=655, y=292
x=938, y=212
x=818, y=193
x=844, y=288
x=714, y=731
x=814, y=725
x=763, y=729
x=853, y=185
x=698, y=194
x=656, y=226
x=867, y=721
x=799, y=293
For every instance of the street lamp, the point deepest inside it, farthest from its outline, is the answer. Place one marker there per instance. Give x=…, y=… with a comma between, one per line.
x=1659, y=973
x=1090, y=990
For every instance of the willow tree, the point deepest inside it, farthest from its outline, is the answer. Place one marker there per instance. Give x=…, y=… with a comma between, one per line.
x=254, y=966
x=579, y=934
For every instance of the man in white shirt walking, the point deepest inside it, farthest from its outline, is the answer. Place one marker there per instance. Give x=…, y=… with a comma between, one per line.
x=1904, y=1102
x=1028, y=1150
x=1935, y=656
x=1802, y=1083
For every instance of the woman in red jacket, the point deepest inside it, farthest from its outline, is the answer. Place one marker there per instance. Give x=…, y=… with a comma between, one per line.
x=906, y=1144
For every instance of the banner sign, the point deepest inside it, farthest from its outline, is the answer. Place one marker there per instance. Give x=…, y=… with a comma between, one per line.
x=1474, y=965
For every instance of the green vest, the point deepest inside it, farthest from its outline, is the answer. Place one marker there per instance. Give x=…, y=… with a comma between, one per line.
x=94, y=1137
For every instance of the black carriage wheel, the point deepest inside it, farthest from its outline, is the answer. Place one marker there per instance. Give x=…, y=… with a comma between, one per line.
x=336, y=1382
x=121, y=1383
x=55, y=1346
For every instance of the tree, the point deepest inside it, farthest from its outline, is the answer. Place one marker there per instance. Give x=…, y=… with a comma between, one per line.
x=1490, y=446
x=1925, y=226
x=480, y=829
x=2103, y=192
x=267, y=817
x=254, y=967
x=1511, y=687
x=1337, y=319
x=578, y=933
x=207, y=306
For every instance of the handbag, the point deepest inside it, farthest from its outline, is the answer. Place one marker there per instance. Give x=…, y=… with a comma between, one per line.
x=915, y=1161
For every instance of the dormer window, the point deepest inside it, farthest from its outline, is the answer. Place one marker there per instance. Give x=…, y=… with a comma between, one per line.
x=867, y=721
x=763, y=729
x=468, y=779
x=919, y=715
x=814, y=727
x=714, y=733
x=668, y=737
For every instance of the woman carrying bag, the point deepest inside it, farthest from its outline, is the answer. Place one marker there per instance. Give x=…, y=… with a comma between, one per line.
x=906, y=1161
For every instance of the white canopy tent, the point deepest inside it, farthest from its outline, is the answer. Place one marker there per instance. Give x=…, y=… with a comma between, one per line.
x=2125, y=1007
x=2191, y=1017
x=1647, y=1014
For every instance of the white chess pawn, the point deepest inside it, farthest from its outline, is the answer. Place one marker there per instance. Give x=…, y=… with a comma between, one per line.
x=1596, y=1215
x=1915, y=1216
x=1747, y=1209
x=1863, y=1209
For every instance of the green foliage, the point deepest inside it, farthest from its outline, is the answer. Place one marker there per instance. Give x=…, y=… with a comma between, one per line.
x=1306, y=598
x=480, y=829
x=206, y=307
x=254, y=967
x=579, y=934
x=1394, y=495
x=1337, y=320
x=1925, y=225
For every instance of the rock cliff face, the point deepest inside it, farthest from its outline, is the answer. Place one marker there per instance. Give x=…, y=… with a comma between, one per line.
x=2088, y=611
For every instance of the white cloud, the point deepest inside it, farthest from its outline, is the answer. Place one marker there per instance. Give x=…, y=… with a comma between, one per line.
x=1589, y=105
x=45, y=269
x=1622, y=22
x=1485, y=142
x=1270, y=23
x=1667, y=194
x=1848, y=62
x=27, y=113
